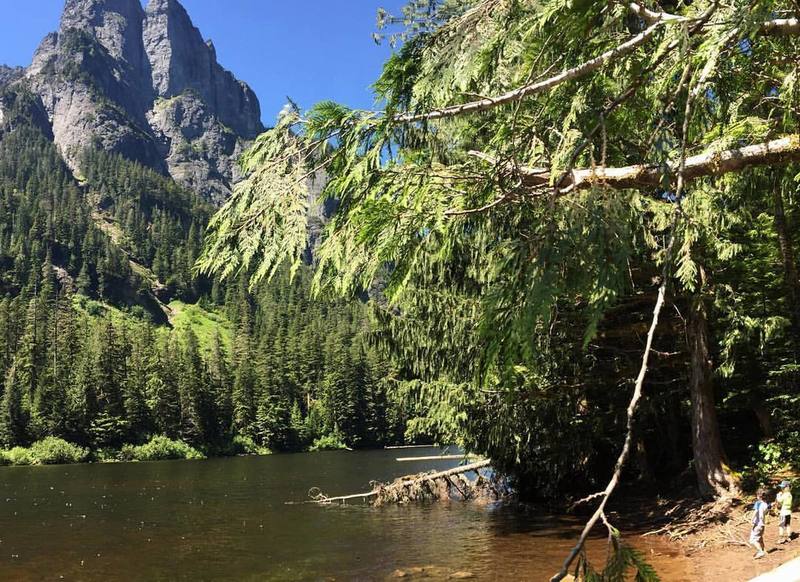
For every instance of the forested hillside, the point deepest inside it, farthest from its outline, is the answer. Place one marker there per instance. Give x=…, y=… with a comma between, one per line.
x=115, y=145
x=94, y=269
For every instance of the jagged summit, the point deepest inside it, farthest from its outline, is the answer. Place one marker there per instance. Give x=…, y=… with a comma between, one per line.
x=143, y=82
x=183, y=61
x=117, y=25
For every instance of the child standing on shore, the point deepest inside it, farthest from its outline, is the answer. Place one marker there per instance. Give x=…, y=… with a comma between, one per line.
x=759, y=522
x=784, y=501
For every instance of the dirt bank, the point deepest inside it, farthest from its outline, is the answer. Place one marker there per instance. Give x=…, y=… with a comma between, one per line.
x=718, y=551
x=735, y=564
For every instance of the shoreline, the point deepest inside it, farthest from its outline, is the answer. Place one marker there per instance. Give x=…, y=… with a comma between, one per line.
x=715, y=551
x=734, y=563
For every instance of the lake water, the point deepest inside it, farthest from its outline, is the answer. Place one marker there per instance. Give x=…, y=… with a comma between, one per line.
x=227, y=519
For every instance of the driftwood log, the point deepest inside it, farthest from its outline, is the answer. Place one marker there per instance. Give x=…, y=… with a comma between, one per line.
x=426, y=486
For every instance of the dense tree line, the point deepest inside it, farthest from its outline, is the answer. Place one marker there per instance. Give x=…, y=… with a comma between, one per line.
x=159, y=223
x=289, y=373
x=86, y=268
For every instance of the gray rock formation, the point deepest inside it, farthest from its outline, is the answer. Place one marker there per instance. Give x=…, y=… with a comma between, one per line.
x=144, y=84
x=9, y=74
x=182, y=62
x=116, y=25
x=199, y=150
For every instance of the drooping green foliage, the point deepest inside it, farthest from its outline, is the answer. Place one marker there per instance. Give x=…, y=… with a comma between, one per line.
x=515, y=292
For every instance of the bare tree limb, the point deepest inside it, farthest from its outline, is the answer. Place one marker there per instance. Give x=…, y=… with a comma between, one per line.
x=781, y=27
x=778, y=151
x=404, y=482
x=775, y=27
x=484, y=208
x=652, y=16
x=623, y=456
x=537, y=87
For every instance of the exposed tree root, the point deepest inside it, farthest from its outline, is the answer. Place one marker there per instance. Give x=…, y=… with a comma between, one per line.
x=464, y=483
x=716, y=523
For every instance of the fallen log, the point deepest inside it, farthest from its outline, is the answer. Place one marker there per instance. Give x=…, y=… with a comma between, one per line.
x=436, y=458
x=415, y=487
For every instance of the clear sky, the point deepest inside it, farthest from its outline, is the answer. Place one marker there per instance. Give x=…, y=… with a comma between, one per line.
x=308, y=50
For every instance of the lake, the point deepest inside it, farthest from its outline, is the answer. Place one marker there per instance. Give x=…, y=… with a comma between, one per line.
x=227, y=519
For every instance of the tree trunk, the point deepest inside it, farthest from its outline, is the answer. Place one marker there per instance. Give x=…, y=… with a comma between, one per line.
x=642, y=462
x=790, y=276
x=713, y=475
x=763, y=416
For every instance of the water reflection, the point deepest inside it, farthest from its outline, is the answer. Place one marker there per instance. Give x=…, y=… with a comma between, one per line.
x=226, y=519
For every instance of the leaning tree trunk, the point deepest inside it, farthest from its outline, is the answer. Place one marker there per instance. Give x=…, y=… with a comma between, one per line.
x=714, y=478
x=790, y=275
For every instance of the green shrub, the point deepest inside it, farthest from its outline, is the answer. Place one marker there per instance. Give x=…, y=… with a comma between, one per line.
x=106, y=455
x=56, y=451
x=48, y=451
x=769, y=459
x=329, y=442
x=18, y=456
x=243, y=445
x=160, y=448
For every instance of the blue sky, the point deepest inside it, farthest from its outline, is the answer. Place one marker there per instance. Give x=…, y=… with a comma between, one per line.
x=308, y=50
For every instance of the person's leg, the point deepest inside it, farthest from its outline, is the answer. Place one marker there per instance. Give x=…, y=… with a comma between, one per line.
x=788, y=528
x=760, y=543
x=782, y=530
x=754, y=541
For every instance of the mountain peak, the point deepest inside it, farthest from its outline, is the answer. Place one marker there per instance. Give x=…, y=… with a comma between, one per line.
x=154, y=6
x=117, y=25
x=182, y=61
x=142, y=82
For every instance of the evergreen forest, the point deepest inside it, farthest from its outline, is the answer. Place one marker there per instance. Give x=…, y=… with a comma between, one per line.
x=109, y=339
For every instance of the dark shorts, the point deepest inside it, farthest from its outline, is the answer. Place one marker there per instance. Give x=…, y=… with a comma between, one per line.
x=786, y=521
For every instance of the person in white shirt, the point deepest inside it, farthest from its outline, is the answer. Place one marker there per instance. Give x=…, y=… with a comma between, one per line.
x=758, y=524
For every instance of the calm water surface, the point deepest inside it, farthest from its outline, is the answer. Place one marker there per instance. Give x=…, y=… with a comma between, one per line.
x=226, y=519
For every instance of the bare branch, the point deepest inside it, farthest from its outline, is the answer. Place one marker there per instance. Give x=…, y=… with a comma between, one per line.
x=623, y=456
x=587, y=499
x=478, y=210
x=651, y=16
x=781, y=26
x=714, y=163
x=537, y=87
x=775, y=27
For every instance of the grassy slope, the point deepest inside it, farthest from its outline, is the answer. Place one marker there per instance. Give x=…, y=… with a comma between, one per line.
x=202, y=322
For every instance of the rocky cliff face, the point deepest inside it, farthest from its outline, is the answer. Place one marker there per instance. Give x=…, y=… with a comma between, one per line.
x=145, y=84
x=9, y=74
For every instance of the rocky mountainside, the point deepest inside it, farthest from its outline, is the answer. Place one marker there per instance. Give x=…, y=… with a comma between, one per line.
x=10, y=74
x=142, y=83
